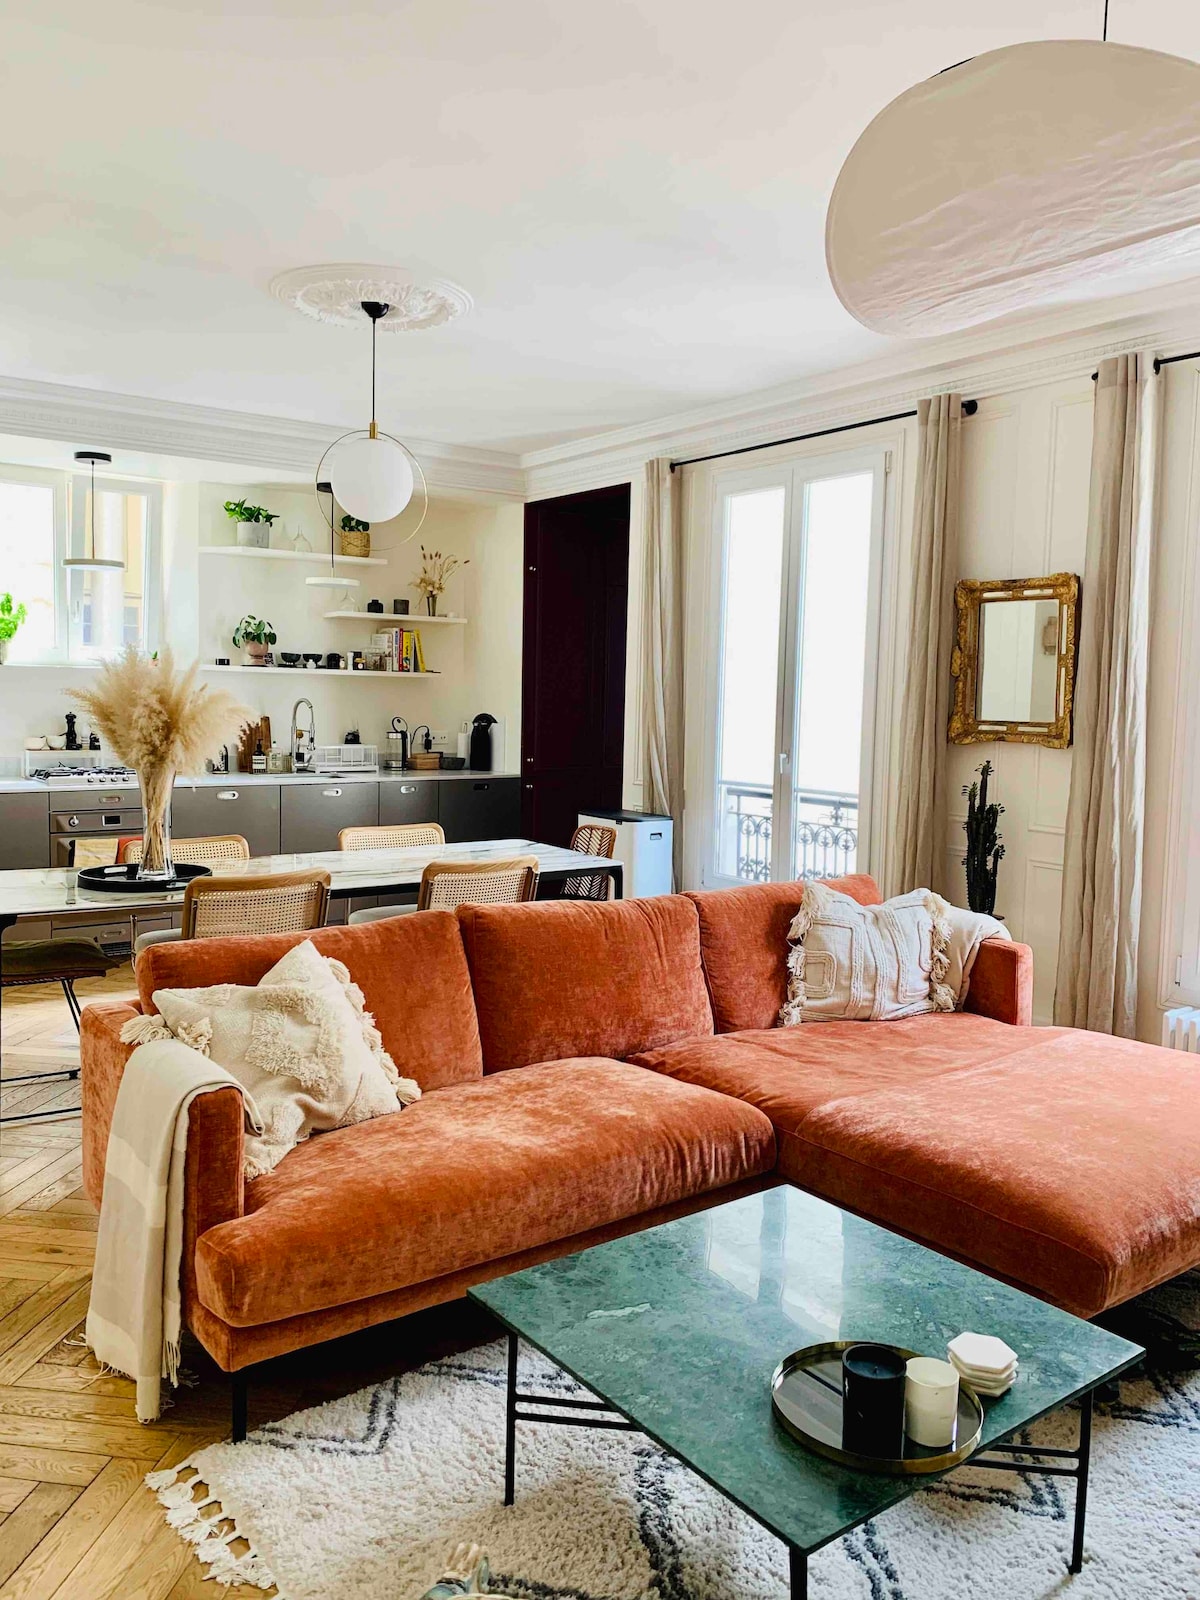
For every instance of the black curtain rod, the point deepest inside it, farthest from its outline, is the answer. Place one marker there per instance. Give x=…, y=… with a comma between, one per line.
x=1166, y=361
x=969, y=408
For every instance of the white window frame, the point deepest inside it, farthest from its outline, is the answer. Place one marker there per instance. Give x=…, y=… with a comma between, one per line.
x=70, y=538
x=792, y=473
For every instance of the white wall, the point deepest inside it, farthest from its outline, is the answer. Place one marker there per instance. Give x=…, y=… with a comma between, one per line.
x=1025, y=476
x=480, y=664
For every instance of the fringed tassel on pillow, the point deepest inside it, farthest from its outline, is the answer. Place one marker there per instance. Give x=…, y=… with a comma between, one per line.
x=145, y=1030
x=812, y=902
x=940, y=993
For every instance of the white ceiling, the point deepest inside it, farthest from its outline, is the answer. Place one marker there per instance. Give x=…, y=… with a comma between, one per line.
x=634, y=194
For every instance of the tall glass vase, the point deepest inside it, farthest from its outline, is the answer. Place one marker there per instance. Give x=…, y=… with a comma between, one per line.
x=156, y=859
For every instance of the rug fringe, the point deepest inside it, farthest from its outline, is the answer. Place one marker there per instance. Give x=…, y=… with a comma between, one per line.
x=184, y=1514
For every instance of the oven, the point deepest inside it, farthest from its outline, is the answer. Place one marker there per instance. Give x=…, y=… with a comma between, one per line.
x=87, y=834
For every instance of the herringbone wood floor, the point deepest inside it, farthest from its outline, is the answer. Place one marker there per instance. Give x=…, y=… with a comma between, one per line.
x=76, y=1521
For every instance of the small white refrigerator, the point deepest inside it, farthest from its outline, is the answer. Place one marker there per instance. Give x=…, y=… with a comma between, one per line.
x=643, y=849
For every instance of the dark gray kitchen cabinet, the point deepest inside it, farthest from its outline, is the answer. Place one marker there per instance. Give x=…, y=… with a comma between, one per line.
x=480, y=808
x=24, y=831
x=311, y=814
x=251, y=809
x=406, y=800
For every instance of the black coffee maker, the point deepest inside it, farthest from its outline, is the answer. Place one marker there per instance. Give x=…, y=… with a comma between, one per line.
x=481, y=742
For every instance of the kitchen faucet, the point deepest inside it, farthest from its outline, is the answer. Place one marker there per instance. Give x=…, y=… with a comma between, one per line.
x=303, y=746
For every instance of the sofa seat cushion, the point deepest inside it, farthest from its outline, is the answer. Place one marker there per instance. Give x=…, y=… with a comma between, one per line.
x=1072, y=1168
x=470, y=1174
x=558, y=979
x=788, y=1072
x=412, y=972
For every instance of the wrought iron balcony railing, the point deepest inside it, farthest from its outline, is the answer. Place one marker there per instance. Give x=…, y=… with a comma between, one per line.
x=826, y=827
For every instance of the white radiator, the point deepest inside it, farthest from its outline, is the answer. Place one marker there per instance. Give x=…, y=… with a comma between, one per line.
x=1181, y=1029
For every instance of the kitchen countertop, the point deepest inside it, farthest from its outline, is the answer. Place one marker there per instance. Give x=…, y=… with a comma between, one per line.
x=223, y=780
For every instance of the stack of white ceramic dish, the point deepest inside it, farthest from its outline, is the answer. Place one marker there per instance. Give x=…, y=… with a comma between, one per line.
x=986, y=1363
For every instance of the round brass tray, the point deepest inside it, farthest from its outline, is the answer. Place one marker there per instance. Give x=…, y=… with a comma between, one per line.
x=806, y=1396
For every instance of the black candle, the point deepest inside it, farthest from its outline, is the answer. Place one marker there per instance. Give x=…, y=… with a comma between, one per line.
x=873, y=1400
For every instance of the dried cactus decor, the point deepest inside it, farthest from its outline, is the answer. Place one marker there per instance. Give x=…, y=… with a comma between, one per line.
x=984, y=850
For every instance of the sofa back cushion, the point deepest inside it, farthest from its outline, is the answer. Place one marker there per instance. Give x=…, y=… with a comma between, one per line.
x=556, y=979
x=411, y=970
x=744, y=943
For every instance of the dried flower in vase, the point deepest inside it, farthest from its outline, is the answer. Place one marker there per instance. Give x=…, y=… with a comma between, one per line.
x=159, y=722
x=430, y=581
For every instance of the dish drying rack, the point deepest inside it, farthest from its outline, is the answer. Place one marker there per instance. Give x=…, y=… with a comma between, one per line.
x=344, y=760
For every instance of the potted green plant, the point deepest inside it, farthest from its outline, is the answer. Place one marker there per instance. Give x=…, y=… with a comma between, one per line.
x=11, y=618
x=356, y=536
x=255, y=637
x=253, y=523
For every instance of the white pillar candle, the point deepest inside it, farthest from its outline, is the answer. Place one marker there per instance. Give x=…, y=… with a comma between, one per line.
x=930, y=1401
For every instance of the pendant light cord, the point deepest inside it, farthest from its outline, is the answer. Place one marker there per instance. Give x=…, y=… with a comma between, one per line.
x=1104, y=35
x=92, y=508
x=374, y=321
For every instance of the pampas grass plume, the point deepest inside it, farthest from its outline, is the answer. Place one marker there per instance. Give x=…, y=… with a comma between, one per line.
x=156, y=719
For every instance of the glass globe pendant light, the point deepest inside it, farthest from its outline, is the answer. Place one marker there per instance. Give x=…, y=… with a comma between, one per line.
x=372, y=474
x=90, y=561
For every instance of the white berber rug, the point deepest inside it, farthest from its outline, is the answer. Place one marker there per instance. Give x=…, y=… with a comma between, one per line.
x=365, y=1498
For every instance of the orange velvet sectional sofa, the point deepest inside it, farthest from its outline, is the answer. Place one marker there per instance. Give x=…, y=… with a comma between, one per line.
x=592, y=1069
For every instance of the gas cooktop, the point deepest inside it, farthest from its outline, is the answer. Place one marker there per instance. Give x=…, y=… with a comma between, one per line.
x=65, y=777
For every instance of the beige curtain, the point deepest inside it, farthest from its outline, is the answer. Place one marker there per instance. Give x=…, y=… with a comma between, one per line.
x=919, y=854
x=1102, y=859
x=662, y=649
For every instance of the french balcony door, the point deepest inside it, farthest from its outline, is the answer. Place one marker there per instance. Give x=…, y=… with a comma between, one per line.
x=797, y=602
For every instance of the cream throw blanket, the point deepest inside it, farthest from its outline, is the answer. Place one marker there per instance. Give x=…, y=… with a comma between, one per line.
x=134, y=1316
x=855, y=963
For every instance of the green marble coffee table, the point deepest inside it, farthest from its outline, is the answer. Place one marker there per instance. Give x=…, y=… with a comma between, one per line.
x=678, y=1329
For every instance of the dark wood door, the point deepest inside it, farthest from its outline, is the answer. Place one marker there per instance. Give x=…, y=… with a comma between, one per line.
x=573, y=683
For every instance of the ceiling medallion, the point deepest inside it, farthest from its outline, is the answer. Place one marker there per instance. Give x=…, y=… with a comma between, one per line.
x=335, y=293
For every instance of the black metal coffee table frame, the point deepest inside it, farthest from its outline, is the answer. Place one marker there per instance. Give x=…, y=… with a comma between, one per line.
x=1047, y=1460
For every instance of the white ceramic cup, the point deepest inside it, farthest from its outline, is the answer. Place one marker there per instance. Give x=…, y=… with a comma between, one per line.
x=930, y=1401
x=37, y=742
x=57, y=741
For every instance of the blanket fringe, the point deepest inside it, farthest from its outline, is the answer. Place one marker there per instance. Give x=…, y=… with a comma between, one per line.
x=813, y=900
x=940, y=992
x=145, y=1030
x=185, y=1513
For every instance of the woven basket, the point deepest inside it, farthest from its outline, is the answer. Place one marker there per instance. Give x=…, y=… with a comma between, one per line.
x=356, y=544
x=425, y=760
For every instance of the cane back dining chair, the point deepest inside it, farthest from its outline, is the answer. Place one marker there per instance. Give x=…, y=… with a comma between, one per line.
x=593, y=839
x=276, y=902
x=446, y=884
x=202, y=851
x=390, y=836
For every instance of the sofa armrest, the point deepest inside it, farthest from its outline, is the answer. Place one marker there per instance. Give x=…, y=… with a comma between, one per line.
x=1002, y=982
x=213, y=1186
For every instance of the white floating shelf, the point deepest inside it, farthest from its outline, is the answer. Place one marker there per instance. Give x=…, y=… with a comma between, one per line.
x=290, y=555
x=306, y=674
x=389, y=619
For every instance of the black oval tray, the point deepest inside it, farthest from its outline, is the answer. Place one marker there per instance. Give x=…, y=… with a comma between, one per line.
x=122, y=878
x=806, y=1396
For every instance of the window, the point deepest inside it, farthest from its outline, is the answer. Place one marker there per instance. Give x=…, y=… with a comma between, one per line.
x=74, y=615
x=797, y=602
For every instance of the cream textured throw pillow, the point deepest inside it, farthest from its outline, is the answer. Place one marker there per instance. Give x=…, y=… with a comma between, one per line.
x=300, y=1043
x=857, y=963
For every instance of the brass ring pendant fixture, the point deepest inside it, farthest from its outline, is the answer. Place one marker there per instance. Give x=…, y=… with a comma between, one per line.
x=91, y=562
x=375, y=478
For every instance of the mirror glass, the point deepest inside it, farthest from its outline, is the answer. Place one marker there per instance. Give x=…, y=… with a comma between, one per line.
x=1019, y=645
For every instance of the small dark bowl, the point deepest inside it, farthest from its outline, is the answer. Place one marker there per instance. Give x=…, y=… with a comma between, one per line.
x=453, y=763
x=314, y=656
x=290, y=658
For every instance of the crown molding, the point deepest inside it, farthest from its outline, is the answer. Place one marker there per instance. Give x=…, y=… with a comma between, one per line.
x=167, y=427
x=997, y=360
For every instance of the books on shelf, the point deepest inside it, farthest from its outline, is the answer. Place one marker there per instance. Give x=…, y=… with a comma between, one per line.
x=401, y=647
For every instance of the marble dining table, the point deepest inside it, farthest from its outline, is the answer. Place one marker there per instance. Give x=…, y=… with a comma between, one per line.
x=35, y=893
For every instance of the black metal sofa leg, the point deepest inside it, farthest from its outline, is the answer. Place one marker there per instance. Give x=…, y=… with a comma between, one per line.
x=240, y=1382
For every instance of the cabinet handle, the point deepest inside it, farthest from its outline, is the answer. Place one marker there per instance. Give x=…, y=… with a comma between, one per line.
x=111, y=800
x=331, y=794
x=408, y=788
x=529, y=786
x=72, y=821
x=227, y=794
x=480, y=786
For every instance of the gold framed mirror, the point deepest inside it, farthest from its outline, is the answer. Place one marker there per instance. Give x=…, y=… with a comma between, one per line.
x=1014, y=660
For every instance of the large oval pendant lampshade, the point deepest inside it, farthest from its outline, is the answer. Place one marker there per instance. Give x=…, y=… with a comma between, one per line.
x=372, y=477
x=1066, y=169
